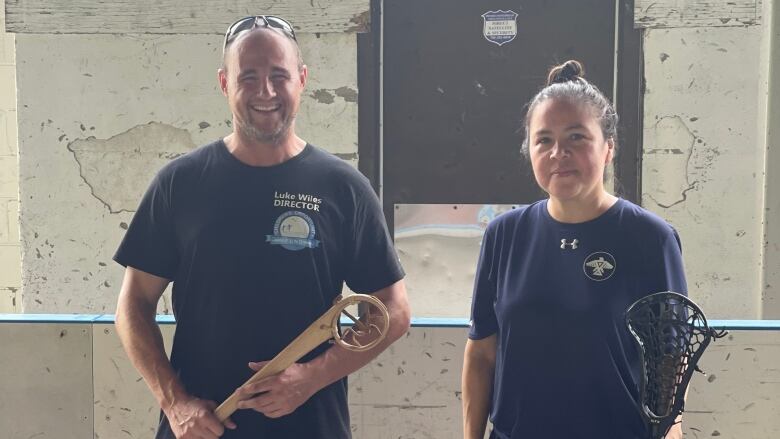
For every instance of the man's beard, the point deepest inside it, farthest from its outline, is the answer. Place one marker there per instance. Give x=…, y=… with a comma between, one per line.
x=249, y=131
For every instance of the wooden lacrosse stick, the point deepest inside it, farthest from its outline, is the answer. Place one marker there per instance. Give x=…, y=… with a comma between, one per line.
x=323, y=329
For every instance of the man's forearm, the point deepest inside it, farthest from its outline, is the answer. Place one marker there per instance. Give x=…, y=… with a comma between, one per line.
x=338, y=362
x=142, y=340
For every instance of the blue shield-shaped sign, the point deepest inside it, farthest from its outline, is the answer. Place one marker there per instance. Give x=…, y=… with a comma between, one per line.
x=500, y=26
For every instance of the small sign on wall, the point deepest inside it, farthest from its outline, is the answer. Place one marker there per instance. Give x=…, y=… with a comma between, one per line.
x=500, y=27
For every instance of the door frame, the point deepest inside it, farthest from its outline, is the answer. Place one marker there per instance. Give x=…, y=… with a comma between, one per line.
x=629, y=90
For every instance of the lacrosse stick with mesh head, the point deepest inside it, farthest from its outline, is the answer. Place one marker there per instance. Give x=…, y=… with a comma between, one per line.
x=672, y=334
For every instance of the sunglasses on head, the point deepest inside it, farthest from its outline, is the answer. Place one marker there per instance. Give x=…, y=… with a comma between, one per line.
x=249, y=23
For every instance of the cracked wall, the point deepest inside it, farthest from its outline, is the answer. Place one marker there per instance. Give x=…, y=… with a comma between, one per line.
x=668, y=179
x=100, y=114
x=701, y=158
x=103, y=164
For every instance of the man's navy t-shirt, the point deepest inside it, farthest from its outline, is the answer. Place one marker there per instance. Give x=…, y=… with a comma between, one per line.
x=256, y=254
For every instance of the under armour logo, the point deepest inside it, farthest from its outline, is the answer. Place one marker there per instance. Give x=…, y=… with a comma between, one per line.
x=572, y=244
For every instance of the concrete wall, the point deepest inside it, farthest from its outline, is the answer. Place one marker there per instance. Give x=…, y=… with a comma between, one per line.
x=702, y=149
x=770, y=259
x=704, y=144
x=101, y=113
x=10, y=256
x=46, y=380
x=77, y=380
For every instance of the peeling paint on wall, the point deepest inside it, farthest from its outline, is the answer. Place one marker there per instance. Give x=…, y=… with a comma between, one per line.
x=349, y=94
x=89, y=150
x=325, y=96
x=117, y=170
x=361, y=22
x=322, y=96
x=696, y=13
x=176, y=17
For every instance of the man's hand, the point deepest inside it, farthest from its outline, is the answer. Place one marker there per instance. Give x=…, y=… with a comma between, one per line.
x=283, y=393
x=280, y=394
x=195, y=419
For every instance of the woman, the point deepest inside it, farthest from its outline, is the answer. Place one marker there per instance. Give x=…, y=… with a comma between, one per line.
x=549, y=354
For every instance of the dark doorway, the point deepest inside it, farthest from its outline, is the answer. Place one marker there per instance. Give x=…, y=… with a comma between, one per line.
x=453, y=101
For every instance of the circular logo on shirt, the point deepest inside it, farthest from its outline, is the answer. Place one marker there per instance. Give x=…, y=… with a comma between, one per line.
x=599, y=266
x=293, y=230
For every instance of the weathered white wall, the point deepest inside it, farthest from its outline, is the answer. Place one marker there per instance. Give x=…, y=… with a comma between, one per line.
x=10, y=249
x=166, y=17
x=703, y=156
x=122, y=402
x=738, y=397
x=116, y=110
x=412, y=390
x=770, y=280
x=46, y=377
x=117, y=107
x=696, y=13
x=78, y=193
x=77, y=380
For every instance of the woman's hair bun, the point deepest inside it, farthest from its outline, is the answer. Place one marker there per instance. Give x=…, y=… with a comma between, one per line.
x=571, y=70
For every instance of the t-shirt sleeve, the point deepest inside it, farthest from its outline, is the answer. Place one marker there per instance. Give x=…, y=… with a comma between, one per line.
x=372, y=263
x=668, y=272
x=483, y=314
x=149, y=243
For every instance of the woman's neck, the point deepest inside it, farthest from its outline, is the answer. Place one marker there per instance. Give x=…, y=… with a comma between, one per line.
x=580, y=210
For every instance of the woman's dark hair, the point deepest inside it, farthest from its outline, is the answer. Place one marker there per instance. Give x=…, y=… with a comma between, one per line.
x=567, y=81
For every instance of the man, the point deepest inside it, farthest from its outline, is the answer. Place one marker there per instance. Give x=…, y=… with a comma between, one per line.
x=258, y=232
